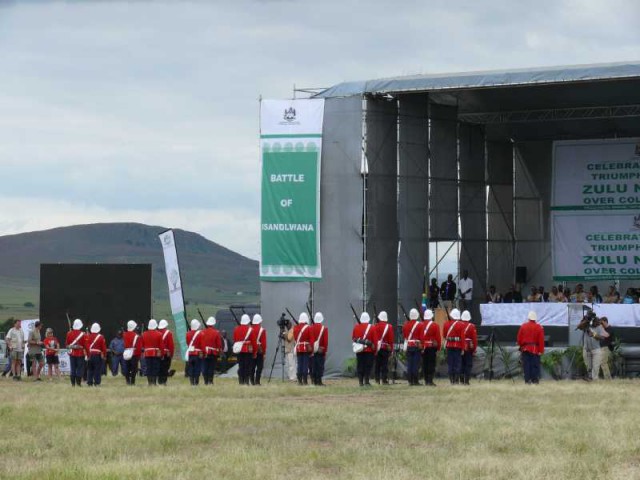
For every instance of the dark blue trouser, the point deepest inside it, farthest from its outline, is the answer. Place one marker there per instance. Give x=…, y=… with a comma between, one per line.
x=77, y=369
x=531, y=367
x=256, y=368
x=413, y=364
x=163, y=374
x=318, y=367
x=429, y=358
x=195, y=366
x=382, y=366
x=244, y=368
x=467, y=363
x=303, y=365
x=117, y=362
x=454, y=361
x=364, y=363
x=209, y=368
x=94, y=370
x=152, y=366
x=131, y=370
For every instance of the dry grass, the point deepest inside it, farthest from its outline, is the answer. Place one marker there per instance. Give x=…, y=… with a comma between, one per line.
x=500, y=430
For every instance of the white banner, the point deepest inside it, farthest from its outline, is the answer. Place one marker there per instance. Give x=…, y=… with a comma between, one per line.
x=556, y=314
x=291, y=149
x=174, y=282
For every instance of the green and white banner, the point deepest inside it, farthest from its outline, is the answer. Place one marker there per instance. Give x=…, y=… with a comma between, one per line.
x=291, y=147
x=595, y=217
x=174, y=281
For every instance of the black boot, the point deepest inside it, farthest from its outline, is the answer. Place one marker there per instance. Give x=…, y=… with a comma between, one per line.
x=78, y=381
x=73, y=381
x=299, y=379
x=361, y=380
x=149, y=380
x=451, y=379
x=385, y=381
x=366, y=381
x=466, y=379
x=305, y=379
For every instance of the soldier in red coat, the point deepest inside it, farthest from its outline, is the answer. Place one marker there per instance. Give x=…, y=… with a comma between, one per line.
x=244, y=346
x=411, y=333
x=386, y=340
x=261, y=343
x=364, y=334
x=194, y=352
x=453, y=333
x=320, y=335
x=430, y=339
x=212, y=347
x=169, y=350
x=132, y=347
x=301, y=335
x=531, y=342
x=153, y=351
x=470, y=336
x=96, y=348
x=76, y=345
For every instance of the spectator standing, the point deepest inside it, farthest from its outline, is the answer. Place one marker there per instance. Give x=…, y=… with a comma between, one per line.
x=52, y=348
x=448, y=293
x=116, y=348
x=289, y=350
x=434, y=293
x=34, y=351
x=466, y=291
x=15, y=342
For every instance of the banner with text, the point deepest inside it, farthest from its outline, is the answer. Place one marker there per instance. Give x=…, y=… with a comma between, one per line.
x=595, y=219
x=174, y=281
x=291, y=147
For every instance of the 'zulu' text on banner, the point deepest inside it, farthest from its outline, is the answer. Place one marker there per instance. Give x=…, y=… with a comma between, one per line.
x=291, y=146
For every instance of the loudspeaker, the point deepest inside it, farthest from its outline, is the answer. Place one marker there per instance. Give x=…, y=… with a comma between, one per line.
x=521, y=274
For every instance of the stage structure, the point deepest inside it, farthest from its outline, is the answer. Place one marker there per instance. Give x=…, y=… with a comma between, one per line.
x=466, y=158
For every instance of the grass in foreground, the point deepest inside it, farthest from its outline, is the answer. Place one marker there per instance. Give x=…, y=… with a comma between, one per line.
x=559, y=430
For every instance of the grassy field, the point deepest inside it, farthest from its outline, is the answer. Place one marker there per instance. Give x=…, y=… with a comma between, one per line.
x=559, y=430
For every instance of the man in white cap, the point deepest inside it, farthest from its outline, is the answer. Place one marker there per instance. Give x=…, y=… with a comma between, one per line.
x=261, y=341
x=470, y=336
x=97, y=353
x=132, y=352
x=244, y=346
x=385, y=335
x=453, y=330
x=365, y=335
x=153, y=347
x=320, y=335
x=211, y=348
x=76, y=344
x=411, y=333
x=194, y=352
x=531, y=342
x=169, y=348
x=430, y=337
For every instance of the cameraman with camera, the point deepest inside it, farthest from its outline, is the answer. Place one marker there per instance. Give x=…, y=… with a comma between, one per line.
x=592, y=333
x=288, y=341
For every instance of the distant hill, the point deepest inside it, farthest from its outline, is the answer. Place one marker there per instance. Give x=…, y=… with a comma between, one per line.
x=211, y=273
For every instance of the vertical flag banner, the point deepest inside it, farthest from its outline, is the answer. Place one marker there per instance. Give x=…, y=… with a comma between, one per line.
x=291, y=147
x=176, y=297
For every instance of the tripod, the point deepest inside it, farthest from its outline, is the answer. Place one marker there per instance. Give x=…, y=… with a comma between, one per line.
x=492, y=347
x=279, y=348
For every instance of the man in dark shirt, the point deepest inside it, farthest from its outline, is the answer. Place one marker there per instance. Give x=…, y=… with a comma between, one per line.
x=448, y=292
x=606, y=345
x=512, y=296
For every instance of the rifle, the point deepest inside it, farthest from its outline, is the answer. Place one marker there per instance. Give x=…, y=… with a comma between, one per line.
x=68, y=320
x=310, y=313
x=418, y=306
x=201, y=316
x=355, y=315
x=291, y=315
x=234, y=316
x=375, y=313
x=406, y=315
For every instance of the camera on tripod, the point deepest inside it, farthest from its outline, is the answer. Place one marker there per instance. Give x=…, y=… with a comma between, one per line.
x=284, y=324
x=589, y=321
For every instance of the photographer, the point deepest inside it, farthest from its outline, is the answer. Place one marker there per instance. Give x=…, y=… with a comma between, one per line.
x=286, y=333
x=592, y=333
x=606, y=347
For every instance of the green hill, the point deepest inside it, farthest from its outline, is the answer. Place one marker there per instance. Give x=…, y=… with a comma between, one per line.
x=213, y=276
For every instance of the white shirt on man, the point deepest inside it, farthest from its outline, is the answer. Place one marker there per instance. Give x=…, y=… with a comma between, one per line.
x=15, y=336
x=465, y=284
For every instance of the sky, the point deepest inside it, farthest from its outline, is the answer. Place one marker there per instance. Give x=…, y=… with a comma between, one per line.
x=147, y=111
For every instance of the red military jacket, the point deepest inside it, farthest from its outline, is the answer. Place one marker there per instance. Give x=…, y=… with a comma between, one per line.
x=211, y=341
x=167, y=341
x=430, y=335
x=384, y=332
x=250, y=345
x=152, y=343
x=129, y=338
x=531, y=338
x=453, y=334
x=76, y=338
x=359, y=332
x=95, y=344
x=470, y=338
x=321, y=333
x=412, y=339
x=196, y=343
x=303, y=337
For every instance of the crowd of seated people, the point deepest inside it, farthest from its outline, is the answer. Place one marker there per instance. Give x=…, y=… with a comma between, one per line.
x=561, y=294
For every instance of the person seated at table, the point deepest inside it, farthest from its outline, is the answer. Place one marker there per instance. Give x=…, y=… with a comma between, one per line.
x=493, y=296
x=556, y=296
x=630, y=297
x=534, y=296
x=512, y=296
x=579, y=294
x=568, y=295
x=544, y=296
x=613, y=296
x=594, y=296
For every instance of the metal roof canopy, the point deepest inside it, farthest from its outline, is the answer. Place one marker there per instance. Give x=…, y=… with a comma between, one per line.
x=581, y=101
